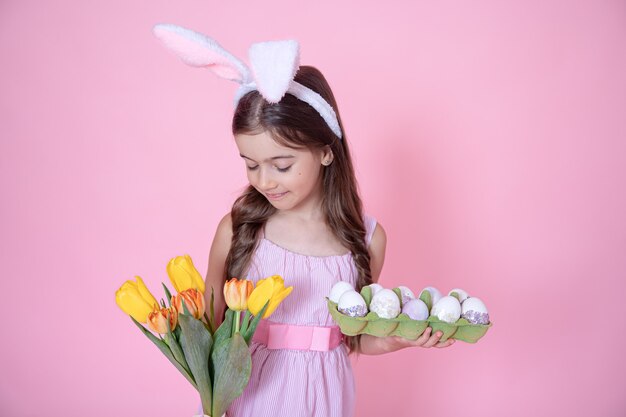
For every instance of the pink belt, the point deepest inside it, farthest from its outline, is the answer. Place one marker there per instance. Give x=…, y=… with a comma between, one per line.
x=290, y=336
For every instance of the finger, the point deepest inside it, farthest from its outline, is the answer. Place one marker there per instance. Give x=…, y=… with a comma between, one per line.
x=432, y=341
x=423, y=338
x=447, y=343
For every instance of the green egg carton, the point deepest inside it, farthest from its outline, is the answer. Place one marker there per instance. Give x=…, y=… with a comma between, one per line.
x=403, y=325
x=468, y=332
x=448, y=329
x=373, y=325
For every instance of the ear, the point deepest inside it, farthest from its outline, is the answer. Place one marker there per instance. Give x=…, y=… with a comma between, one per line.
x=199, y=50
x=327, y=156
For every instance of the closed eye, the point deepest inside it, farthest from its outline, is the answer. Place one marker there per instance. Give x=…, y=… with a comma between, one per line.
x=284, y=169
x=252, y=168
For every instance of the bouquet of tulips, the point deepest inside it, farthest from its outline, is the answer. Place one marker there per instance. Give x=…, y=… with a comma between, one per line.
x=215, y=360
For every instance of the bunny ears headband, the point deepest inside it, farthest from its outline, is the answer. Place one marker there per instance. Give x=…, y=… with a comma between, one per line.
x=274, y=64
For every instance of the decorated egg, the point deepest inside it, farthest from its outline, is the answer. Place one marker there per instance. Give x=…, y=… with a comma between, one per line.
x=386, y=304
x=461, y=294
x=474, y=311
x=447, y=309
x=407, y=294
x=435, y=294
x=375, y=288
x=415, y=309
x=338, y=289
x=352, y=304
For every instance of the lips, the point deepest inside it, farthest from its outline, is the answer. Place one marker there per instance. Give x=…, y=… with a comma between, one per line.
x=276, y=196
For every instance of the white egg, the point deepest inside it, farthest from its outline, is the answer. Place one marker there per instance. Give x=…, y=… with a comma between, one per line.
x=447, y=309
x=407, y=294
x=435, y=294
x=386, y=304
x=375, y=288
x=474, y=311
x=461, y=293
x=416, y=309
x=352, y=304
x=338, y=289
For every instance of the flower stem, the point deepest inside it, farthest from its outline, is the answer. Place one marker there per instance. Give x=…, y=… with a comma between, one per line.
x=237, y=319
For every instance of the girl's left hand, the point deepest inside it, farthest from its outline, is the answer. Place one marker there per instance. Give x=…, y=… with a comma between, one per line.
x=426, y=340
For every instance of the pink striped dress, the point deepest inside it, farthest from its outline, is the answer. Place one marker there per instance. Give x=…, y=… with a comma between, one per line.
x=300, y=383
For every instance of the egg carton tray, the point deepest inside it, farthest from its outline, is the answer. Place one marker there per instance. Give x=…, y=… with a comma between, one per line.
x=406, y=327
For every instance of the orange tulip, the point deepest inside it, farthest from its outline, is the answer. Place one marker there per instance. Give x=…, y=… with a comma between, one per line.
x=194, y=301
x=157, y=320
x=236, y=293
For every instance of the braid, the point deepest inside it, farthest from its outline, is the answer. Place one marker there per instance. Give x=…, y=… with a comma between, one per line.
x=249, y=213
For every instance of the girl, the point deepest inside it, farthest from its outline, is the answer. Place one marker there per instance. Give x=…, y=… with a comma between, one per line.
x=300, y=217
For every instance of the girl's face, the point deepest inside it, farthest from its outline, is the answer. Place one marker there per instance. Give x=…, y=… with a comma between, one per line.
x=288, y=178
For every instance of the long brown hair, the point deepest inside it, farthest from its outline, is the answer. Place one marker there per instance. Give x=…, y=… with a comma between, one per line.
x=294, y=123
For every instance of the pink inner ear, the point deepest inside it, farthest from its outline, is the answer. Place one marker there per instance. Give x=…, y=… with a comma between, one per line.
x=199, y=55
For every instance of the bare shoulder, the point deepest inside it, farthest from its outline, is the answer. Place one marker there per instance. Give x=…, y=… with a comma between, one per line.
x=217, y=262
x=221, y=243
x=225, y=227
x=223, y=237
x=377, y=248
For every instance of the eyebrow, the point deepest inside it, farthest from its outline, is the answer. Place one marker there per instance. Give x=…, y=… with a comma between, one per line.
x=269, y=159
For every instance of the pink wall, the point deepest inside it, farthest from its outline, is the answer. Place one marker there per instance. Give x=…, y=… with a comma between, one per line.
x=489, y=141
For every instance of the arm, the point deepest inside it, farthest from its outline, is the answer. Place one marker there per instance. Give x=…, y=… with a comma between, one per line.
x=371, y=345
x=217, y=265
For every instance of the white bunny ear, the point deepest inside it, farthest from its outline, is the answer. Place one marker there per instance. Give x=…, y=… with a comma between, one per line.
x=274, y=64
x=199, y=50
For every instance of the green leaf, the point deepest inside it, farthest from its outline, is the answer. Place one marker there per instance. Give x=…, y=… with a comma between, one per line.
x=167, y=294
x=196, y=344
x=255, y=322
x=208, y=324
x=212, y=311
x=167, y=352
x=456, y=295
x=222, y=333
x=185, y=309
x=177, y=351
x=233, y=364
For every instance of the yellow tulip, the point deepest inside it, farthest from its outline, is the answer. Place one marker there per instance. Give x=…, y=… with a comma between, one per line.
x=194, y=301
x=272, y=289
x=236, y=293
x=157, y=320
x=184, y=275
x=135, y=299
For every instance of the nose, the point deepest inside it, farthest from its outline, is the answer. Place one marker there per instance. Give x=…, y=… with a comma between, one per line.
x=265, y=180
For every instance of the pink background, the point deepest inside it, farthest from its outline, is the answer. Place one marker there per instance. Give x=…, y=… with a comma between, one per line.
x=489, y=141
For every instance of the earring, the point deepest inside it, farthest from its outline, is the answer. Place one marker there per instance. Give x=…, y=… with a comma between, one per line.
x=326, y=163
